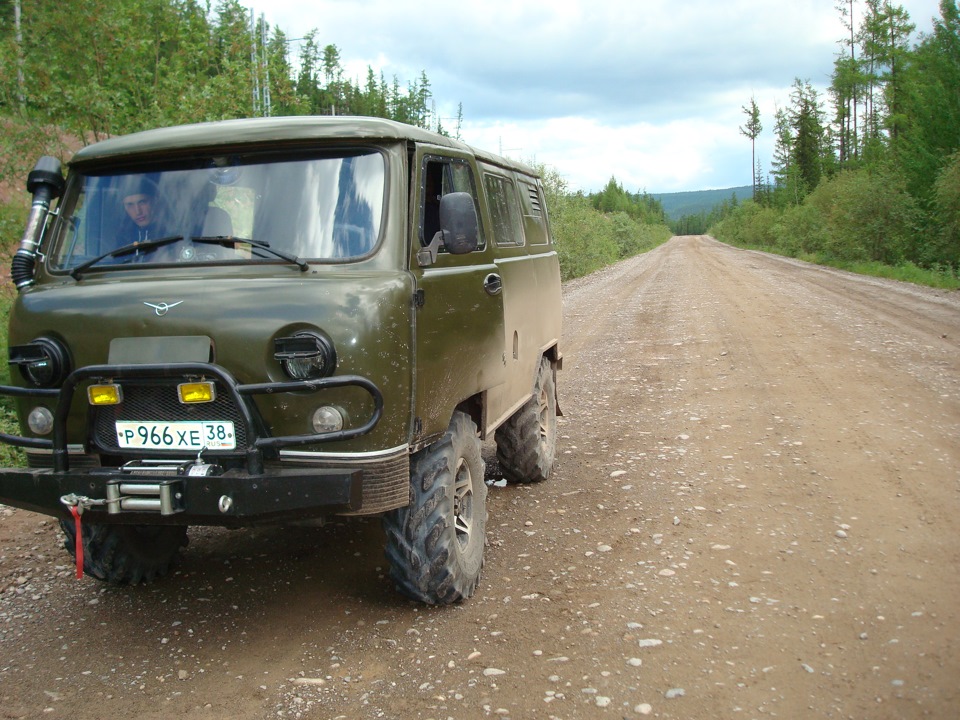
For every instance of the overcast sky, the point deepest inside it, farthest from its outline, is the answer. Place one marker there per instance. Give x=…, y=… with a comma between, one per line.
x=649, y=91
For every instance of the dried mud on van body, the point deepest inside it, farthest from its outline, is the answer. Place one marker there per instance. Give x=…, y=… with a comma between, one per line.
x=755, y=512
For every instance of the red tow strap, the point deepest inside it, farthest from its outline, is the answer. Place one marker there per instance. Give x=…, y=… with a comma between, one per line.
x=75, y=511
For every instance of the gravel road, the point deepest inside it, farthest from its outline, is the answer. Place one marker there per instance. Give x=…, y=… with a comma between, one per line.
x=756, y=513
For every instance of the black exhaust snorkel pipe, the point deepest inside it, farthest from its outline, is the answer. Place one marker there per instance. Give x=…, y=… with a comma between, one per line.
x=45, y=183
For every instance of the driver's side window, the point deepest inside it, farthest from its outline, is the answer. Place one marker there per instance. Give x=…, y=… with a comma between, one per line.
x=441, y=176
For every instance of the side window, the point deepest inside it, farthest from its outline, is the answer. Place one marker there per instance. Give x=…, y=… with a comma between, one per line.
x=77, y=239
x=442, y=176
x=534, y=214
x=504, y=210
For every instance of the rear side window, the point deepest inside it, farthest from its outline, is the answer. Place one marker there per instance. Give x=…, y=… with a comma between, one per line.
x=504, y=210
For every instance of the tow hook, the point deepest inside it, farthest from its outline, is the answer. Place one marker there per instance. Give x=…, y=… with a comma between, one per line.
x=81, y=502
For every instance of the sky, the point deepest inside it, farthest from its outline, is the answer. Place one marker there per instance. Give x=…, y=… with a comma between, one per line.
x=647, y=91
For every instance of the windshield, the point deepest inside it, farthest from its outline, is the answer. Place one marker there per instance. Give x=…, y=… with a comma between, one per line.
x=224, y=210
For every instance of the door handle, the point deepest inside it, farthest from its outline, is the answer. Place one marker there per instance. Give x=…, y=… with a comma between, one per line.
x=492, y=284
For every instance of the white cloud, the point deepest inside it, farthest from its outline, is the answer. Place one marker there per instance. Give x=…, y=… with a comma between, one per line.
x=642, y=156
x=648, y=92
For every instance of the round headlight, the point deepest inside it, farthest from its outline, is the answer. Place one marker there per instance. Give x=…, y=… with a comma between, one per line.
x=305, y=368
x=306, y=356
x=43, y=362
x=327, y=419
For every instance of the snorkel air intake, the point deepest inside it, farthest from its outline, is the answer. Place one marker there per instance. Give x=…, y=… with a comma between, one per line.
x=45, y=183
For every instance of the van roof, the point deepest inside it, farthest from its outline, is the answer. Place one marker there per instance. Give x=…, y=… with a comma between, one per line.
x=291, y=131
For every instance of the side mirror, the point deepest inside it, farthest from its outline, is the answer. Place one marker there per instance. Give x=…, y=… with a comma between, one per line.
x=458, y=222
x=459, y=228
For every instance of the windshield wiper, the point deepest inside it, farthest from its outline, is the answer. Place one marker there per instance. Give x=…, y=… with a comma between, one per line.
x=230, y=240
x=125, y=250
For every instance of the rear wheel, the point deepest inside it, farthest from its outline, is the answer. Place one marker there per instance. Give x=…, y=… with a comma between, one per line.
x=527, y=441
x=126, y=554
x=435, y=544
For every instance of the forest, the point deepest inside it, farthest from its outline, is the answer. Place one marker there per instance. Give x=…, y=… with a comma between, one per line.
x=73, y=73
x=870, y=173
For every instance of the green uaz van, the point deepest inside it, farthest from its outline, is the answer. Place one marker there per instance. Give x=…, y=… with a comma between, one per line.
x=278, y=320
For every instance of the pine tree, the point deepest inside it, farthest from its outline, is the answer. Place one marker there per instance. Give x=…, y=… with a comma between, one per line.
x=751, y=129
x=931, y=103
x=806, y=123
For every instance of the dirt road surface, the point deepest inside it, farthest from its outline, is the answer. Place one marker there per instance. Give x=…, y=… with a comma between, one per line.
x=756, y=513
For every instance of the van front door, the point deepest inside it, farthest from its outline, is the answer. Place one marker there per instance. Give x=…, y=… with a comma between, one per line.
x=459, y=307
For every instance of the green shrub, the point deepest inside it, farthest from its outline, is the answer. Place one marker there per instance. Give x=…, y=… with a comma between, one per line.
x=749, y=225
x=945, y=245
x=584, y=239
x=801, y=230
x=871, y=216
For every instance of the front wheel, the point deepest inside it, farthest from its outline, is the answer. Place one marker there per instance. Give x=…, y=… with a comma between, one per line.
x=527, y=441
x=435, y=544
x=126, y=554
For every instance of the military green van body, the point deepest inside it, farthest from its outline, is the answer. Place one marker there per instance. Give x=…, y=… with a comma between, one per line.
x=345, y=337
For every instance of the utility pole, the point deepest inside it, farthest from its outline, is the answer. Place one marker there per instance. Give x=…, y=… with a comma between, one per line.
x=260, y=67
x=267, y=110
x=254, y=65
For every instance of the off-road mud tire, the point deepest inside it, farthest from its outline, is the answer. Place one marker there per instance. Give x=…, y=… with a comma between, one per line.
x=126, y=554
x=527, y=441
x=435, y=544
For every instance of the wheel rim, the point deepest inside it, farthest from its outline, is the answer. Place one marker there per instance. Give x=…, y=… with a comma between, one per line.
x=544, y=419
x=463, y=504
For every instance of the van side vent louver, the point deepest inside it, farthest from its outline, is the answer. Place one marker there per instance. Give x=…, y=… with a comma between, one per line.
x=534, y=200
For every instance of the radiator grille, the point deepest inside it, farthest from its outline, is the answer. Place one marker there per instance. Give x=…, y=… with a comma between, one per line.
x=159, y=403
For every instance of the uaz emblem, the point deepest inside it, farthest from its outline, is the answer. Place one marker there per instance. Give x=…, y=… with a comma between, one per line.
x=161, y=309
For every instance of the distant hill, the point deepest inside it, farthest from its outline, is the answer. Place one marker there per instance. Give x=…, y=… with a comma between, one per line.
x=680, y=204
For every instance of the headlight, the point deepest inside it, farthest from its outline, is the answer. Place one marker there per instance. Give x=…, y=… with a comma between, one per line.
x=327, y=419
x=43, y=362
x=306, y=356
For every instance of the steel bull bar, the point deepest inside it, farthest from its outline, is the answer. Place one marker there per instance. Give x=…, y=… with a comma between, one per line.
x=181, y=492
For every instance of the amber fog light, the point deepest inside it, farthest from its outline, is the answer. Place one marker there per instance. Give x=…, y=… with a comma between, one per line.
x=40, y=421
x=327, y=419
x=105, y=394
x=196, y=392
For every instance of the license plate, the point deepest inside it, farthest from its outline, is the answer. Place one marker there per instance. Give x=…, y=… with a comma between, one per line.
x=191, y=435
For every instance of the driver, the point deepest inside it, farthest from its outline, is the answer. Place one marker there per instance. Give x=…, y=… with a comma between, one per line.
x=139, y=204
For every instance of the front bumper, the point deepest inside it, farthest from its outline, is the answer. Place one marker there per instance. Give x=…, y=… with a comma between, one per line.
x=179, y=491
x=233, y=499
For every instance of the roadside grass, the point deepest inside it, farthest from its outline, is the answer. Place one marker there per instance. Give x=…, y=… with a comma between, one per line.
x=942, y=278
x=12, y=218
x=9, y=455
